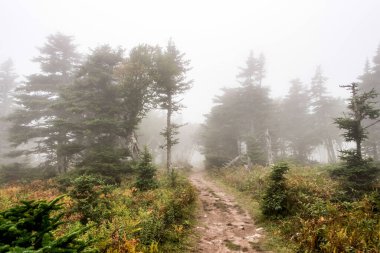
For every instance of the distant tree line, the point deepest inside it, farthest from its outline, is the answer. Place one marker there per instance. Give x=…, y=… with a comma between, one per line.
x=82, y=110
x=292, y=127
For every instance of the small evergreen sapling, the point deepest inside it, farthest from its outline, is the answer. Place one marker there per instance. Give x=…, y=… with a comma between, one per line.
x=275, y=200
x=90, y=196
x=146, y=172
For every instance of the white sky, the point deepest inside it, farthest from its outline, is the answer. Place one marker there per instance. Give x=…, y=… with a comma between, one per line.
x=294, y=35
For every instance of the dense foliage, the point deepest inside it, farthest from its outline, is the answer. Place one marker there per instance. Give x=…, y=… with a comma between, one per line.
x=75, y=123
x=90, y=195
x=271, y=129
x=275, y=200
x=146, y=172
x=124, y=220
x=82, y=112
x=29, y=227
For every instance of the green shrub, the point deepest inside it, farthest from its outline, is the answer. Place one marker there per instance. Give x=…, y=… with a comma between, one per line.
x=275, y=200
x=90, y=196
x=146, y=177
x=29, y=228
x=357, y=176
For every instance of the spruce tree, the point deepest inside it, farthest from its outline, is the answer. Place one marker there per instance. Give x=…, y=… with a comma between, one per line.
x=370, y=79
x=324, y=108
x=357, y=173
x=109, y=97
x=30, y=227
x=93, y=103
x=146, y=172
x=296, y=122
x=37, y=110
x=254, y=109
x=135, y=82
x=221, y=131
x=171, y=82
x=240, y=115
x=7, y=84
x=361, y=107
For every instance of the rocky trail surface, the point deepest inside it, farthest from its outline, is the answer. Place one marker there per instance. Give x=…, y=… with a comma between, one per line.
x=223, y=225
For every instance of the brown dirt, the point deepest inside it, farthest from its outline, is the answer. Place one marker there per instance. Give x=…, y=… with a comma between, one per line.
x=223, y=225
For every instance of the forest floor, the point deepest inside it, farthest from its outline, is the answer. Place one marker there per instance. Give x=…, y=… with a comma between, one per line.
x=223, y=225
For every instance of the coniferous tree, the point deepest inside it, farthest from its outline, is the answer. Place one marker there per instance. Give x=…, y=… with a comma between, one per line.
x=220, y=133
x=370, y=79
x=254, y=71
x=357, y=173
x=324, y=108
x=255, y=108
x=296, y=122
x=33, y=121
x=135, y=78
x=7, y=84
x=93, y=102
x=361, y=106
x=171, y=82
x=241, y=115
x=146, y=178
x=30, y=227
x=109, y=97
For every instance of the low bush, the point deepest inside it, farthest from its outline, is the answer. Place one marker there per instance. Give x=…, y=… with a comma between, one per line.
x=90, y=198
x=357, y=176
x=275, y=201
x=29, y=227
x=146, y=172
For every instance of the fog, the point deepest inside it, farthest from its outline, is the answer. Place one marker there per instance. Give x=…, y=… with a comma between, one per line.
x=217, y=36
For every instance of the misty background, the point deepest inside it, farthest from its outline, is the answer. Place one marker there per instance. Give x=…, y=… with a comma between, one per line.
x=217, y=36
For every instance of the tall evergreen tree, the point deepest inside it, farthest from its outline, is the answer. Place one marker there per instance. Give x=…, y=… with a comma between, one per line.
x=109, y=97
x=171, y=82
x=37, y=108
x=254, y=108
x=254, y=71
x=93, y=103
x=324, y=109
x=357, y=174
x=241, y=116
x=135, y=78
x=296, y=122
x=361, y=106
x=7, y=84
x=221, y=131
x=369, y=80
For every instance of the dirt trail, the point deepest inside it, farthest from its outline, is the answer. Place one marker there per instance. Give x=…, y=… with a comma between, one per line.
x=224, y=226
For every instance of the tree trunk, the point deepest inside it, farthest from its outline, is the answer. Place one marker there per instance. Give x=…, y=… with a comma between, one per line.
x=330, y=150
x=375, y=154
x=359, y=149
x=169, y=135
x=60, y=161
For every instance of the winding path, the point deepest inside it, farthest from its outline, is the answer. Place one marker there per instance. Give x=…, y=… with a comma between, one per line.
x=223, y=225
